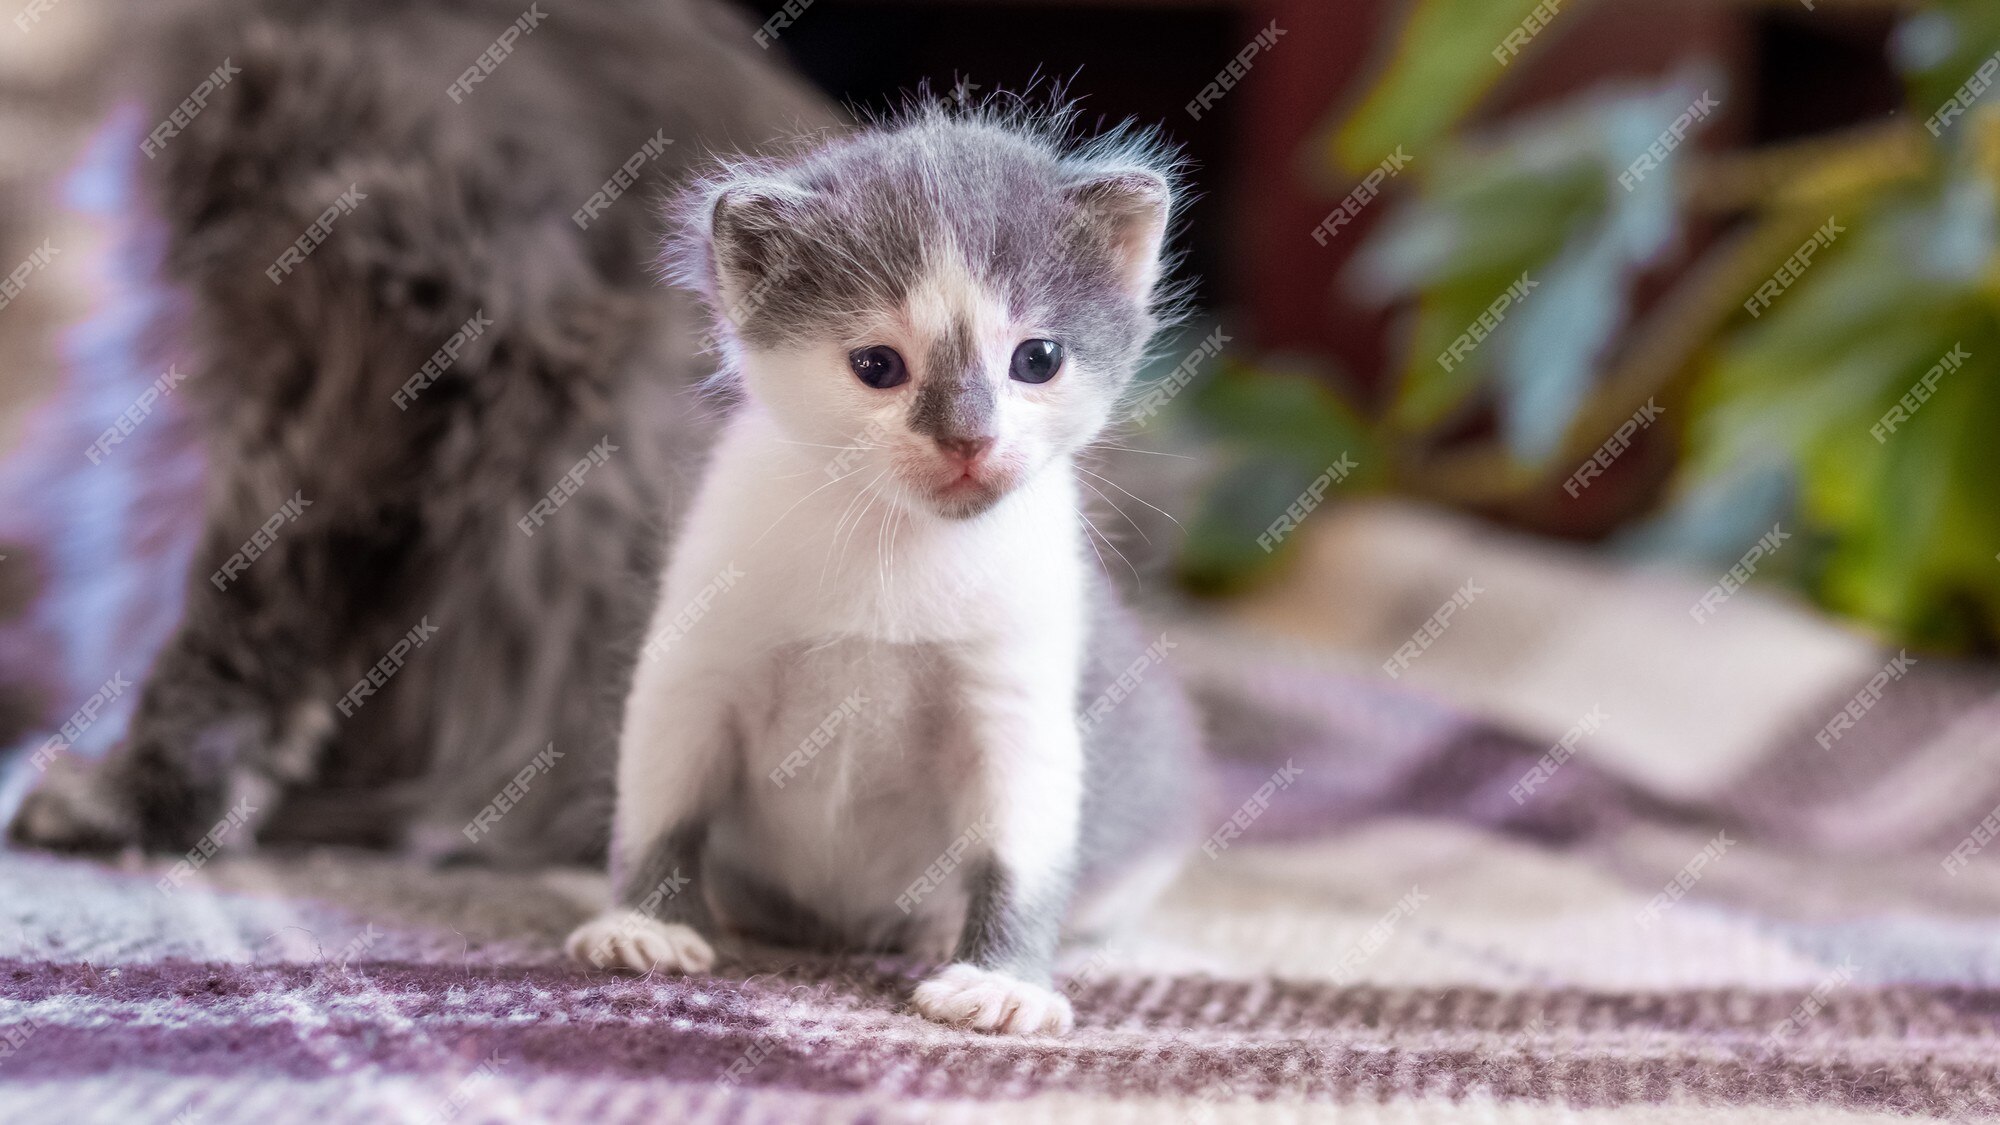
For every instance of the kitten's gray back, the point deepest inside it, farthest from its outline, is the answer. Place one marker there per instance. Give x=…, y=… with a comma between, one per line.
x=1143, y=753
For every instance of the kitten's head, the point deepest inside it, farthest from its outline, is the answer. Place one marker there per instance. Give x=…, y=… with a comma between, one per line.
x=950, y=303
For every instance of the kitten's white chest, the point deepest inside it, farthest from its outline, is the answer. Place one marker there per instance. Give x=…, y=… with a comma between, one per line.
x=852, y=753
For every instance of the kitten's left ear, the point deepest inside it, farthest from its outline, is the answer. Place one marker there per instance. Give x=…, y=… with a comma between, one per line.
x=753, y=233
x=1127, y=211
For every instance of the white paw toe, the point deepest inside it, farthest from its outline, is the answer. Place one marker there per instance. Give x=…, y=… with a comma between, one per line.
x=627, y=939
x=967, y=996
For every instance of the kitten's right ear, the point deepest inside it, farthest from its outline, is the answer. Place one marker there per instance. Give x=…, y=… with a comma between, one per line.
x=752, y=227
x=1126, y=210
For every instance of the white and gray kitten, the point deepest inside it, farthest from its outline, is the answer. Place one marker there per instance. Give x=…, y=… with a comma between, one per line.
x=858, y=724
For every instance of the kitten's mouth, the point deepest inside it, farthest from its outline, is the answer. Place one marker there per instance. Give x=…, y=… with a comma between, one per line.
x=963, y=491
x=966, y=480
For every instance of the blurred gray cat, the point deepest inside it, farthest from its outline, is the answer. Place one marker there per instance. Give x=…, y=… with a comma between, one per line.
x=394, y=537
x=869, y=716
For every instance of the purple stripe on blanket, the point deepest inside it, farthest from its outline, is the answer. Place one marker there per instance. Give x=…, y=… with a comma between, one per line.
x=1885, y=1049
x=1350, y=749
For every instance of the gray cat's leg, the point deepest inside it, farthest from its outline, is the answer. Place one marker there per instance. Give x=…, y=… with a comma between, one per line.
x=222, y=722
x=162, y=787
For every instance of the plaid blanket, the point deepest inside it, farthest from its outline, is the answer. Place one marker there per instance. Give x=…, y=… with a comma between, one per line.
x=1411, y=908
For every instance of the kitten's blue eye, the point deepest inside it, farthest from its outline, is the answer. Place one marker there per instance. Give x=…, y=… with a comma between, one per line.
x=1037, y=361
x=878, y=366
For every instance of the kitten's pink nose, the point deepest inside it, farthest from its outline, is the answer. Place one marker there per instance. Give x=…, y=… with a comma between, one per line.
x=965, y=451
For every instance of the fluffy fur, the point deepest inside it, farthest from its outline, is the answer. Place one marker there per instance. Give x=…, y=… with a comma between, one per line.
x=290, y=392
x=857, y=723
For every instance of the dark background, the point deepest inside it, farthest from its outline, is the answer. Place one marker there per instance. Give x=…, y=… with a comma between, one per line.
x=1794, y=74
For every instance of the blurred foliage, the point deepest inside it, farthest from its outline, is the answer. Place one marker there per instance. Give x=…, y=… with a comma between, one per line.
x=1276, y=432
x=1537, y=203
x=1909, y=510
x=1441, y=64
x=1782, y=413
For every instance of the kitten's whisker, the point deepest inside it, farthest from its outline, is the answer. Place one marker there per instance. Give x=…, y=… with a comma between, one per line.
x=874, y=494
x=1119, y=510
x=1101, y=564
x=1128, y=492
x=902, y=517
x=833, y=540
x=823, y=445
x=881, y=577
x=865, y=492
x=801, y=500
x=1107, y=542
x=1133, y=449
x=885, y=551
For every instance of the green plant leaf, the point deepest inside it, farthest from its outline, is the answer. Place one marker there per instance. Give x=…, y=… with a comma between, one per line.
x=1222, y=554
x=1442, y=63
x=1277, y=433
x=1288, y=414
x=1902, y=508
x=1941, y=48
x=1526, y=248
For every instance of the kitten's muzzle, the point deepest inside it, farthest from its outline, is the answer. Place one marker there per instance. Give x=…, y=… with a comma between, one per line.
x=966, y=477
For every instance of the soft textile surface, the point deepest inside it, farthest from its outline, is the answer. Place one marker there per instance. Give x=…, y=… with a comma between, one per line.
x=1394, y=938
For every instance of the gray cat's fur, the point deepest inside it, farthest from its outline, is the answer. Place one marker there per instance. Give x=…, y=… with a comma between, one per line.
x=413, y=514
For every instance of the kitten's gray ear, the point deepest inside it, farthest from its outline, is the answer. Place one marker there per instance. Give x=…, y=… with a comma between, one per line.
x=1126, y=210
x=752, y=231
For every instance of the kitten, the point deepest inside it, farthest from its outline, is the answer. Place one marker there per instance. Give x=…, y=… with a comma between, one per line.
x=856, y=724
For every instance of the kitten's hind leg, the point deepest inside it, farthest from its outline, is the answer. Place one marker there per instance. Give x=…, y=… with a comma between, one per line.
x=1109, y=915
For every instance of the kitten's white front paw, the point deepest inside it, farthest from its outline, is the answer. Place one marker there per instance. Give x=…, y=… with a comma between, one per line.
x=968, y=996
x=627, y=939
